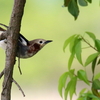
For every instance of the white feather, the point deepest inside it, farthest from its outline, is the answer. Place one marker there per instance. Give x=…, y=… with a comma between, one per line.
x=3, y=43
x=23, y=41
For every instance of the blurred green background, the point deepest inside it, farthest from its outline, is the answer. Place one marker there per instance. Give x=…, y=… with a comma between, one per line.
x=47, y=19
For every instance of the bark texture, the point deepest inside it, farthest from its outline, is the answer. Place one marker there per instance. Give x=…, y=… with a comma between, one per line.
x=12, y=39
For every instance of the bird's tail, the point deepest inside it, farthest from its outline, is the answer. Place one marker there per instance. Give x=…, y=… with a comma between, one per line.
x=4, y=25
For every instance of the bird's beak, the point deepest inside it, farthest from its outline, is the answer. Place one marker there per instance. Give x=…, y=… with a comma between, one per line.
x=48, y=41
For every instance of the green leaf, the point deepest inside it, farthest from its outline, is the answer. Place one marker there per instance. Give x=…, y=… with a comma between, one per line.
x=94, y=64
x=97, y=44
x=90, y=1
x=97, y=76
x=96, y=84
x=71, y=88
x=66, y=2
x=71, y=58
x=82, y=76
x=83, y=2
x=98, y=62
x=78, y=51
x=82, y=91
x=91, y=58
x=90, y=95
x=73, y=43
x=82, y=98
x=73, y=8
x=71, y=73
x=91, y=35
x=62, y=82
x=68, y=41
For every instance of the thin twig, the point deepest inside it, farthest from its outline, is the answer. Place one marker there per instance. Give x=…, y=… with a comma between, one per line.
x=89, y=44
x=1, y=74
x=19, y=87
x=19, y=65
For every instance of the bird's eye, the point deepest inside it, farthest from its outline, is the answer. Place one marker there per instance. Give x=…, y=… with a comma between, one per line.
x=40, y=41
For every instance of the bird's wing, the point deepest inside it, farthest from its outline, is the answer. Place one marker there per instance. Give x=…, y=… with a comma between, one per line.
x=23, y=40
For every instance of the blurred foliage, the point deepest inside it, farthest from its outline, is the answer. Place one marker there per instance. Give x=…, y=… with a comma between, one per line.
x=73, y=6
x=68, y=83
x=75, y=48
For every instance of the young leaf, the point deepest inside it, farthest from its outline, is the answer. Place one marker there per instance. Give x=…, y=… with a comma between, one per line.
x=73, y=8
x=72, y=43
x=78, y=51
x=71, y=58
x=94, y=64
x=82, y=98
x=98, y=62
x=90, y=1
x=71, y=88
x=67, y=90
x=95, y=94
x=91, y=35
x=82, y=76
x=62, y=82
x=66, y=2
x=97, y=76
x=97, y=44
x=91, y=96
x=91, y=58
x=96, y=84
x=83, y=2
x=68, y=41
x=82, y=91
x=71, y=73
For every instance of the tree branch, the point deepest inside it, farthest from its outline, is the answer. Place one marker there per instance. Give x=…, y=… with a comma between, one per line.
x=12, y=40
x=18, y=87
x=89, y=44
x=2, y=73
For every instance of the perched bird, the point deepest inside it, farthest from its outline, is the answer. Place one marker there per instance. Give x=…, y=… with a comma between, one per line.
x=25, y=48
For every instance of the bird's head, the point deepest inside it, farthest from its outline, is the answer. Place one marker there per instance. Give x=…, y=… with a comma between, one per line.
x=39, y=43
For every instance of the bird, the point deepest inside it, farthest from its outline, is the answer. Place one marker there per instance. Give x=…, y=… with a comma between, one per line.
x=25, y=48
